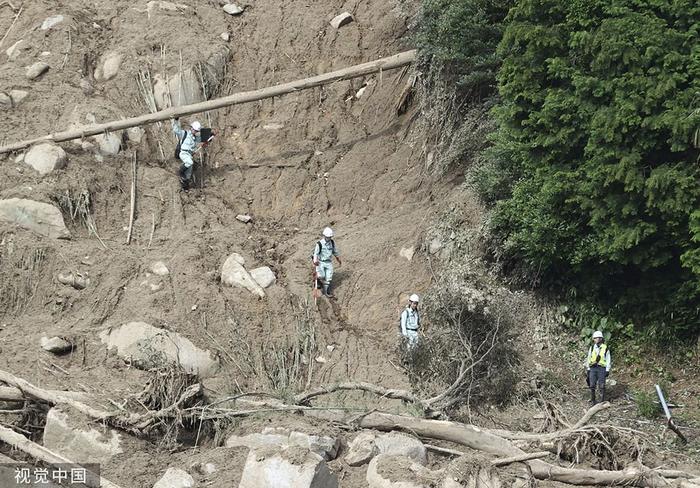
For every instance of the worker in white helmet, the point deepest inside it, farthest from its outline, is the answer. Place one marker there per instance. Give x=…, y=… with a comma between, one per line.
x=597, y=366
x=410, y=322
x=324, y=250
x=186, y=147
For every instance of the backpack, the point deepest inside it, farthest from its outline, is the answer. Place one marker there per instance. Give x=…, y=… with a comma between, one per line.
x=178, y=148
x=318, y=248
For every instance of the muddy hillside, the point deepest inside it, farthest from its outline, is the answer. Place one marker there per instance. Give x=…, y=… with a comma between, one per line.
x=174, y=337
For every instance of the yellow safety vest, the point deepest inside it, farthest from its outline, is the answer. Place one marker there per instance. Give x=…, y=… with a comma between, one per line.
x=599, y=358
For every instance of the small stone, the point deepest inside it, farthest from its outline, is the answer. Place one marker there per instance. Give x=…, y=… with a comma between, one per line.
x=360, y=92
x=17, y=96
x=233, y=9
x=330, y=348
x=135, y=134
x=36, y=70
x=45, y=53
x=109, y=67
x=209, y=468
x=16, y=49
x=87, y=87
x=273, y=126
x=76, y=280
x=194, y=307
x=156, y=286
x=341, y=20
x=407, y=252
x=321, y=360
x=19, y=159
x=45, y=157
x=5, y=100
x=56, y=345
x=109, y=144
x=244, y=218
x=225, y=36
x=435, y=246
x=263, y=276
x=51, y=22
x=159, y=268
x=175, y=478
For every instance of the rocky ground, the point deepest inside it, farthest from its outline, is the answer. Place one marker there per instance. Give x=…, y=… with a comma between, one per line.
x=226, y=298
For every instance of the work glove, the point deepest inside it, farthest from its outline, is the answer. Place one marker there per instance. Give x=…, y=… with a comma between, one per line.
x=315, y=262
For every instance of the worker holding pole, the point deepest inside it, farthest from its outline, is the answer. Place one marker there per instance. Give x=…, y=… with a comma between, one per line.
x=597, y=366
x=186, y=147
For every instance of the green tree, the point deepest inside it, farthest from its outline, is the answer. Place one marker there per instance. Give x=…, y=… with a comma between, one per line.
x=598, y=124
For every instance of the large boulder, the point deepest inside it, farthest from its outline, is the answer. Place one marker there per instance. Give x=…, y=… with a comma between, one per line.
x=293, y=467
x=367, y=445
x=175, y=478
x=385, y=471
x=38, y=217
x=234, y=274
x=148, y=347
x=69, y=433
x=324, y=446
x=45, y=157
x=52, y=21
x=56, y=345
x=179, y=89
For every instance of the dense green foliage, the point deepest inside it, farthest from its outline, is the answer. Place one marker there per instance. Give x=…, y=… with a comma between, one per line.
x=595, y=171
x=460, y=37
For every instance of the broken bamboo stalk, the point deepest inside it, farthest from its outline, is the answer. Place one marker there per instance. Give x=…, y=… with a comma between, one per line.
x=11, y=394
x=379, y=65
x=37, y=451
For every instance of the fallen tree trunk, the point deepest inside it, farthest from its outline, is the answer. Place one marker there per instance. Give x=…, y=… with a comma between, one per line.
x=11, y=394
x=21, y=443
x=303, y=398
x=478, y=439
x=391, y=62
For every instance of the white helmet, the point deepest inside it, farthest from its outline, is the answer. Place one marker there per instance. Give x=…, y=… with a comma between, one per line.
x=597, y=334
x=196, y=125
x=413, y=298
x=328, y=232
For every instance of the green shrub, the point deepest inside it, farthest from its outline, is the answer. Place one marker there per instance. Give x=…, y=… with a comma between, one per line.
x=646, y=405
x=598, y=130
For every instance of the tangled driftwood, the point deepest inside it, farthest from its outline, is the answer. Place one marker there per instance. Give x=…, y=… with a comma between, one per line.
x=499, y=443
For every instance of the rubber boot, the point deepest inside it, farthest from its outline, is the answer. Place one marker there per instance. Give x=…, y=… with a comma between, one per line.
x=328, y=291
x=592, y=396
x=602, y=395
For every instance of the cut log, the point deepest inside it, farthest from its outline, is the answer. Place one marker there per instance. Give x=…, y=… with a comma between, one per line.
x=21, y=443
x=391, y=62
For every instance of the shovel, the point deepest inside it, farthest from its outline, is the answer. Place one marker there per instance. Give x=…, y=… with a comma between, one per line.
x=316, y=290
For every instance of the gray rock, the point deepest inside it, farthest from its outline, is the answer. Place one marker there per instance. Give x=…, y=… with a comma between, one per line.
x=225, y=36
x=234, y=274
x=367, y=445
x=14, y=51
x=324, y=446
x=108, y=66
x=135, y=134
x=273, y=126
x=435, y=245
x=36, y=70
x=286, y=468
x=56, y=345
x=5, y=101
x=109, y=144
x=87, y=87
x=175, y=478
x=407, y=252
x=52, y=22
x=244, y=218
x=263, y=276
x=18, y=96
x=78, y=281
x=233, y=9
x=160, y=268
x=147, y=347
x=38, y=217
x=342, y=19
x=74, y=437
x=45, y=157
x=185, y=88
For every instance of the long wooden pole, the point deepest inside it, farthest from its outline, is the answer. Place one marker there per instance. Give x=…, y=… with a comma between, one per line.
x=391, y=62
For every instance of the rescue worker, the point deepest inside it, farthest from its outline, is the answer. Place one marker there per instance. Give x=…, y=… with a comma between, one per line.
x=597, y=366
x=410, y=321
x=324, y=250
x=188, y=141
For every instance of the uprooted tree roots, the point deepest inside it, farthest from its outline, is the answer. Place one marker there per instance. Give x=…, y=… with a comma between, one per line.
x=173, y=398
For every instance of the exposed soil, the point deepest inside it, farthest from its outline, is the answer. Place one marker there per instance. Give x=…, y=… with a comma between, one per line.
x=295, y=164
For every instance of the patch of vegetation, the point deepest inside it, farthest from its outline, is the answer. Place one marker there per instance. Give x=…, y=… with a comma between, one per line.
x=646, y=404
